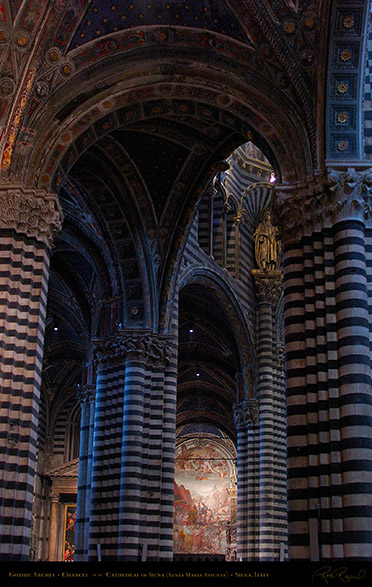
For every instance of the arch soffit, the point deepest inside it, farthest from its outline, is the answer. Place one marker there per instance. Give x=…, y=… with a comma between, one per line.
x=234, y=88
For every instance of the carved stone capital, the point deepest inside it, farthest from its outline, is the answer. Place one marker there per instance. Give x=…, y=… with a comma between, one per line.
x=30, y=211
x=150, y=348
x=86, y=394
x=246, y=413
x=268, y=285
x=322, y=201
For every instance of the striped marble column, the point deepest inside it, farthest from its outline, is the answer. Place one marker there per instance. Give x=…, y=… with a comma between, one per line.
x=158, y=447
x=86, y=396
x=326, y=225
x=246, y=418
x=106, y=453
x=168, y=456
x=269, y=287
x=125, y=517
x=130, y=506
x=28, y=221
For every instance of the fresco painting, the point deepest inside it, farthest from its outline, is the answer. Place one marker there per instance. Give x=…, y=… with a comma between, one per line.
x=202, y=502
x=69, y=537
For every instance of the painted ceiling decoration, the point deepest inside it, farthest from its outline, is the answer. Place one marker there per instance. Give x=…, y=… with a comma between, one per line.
x=346, y=74
x=271, y=37
x=104, y=18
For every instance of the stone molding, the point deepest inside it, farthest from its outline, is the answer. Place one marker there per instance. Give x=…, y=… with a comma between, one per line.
x=246, y=413
x=31, y=212
x=322, y=201
x=147, y=347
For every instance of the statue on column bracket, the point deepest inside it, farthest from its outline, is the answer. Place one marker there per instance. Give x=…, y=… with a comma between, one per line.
x=246, y=412
x=267, y=245
x=268, y=278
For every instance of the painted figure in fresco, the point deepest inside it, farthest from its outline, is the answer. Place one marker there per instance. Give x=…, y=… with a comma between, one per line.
x=70, y=523
x=69, y=553
x=267, y=247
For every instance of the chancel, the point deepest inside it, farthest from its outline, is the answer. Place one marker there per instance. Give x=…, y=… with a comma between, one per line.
x=186, y=280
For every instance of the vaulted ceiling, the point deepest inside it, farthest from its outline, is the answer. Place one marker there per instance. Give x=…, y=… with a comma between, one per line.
x=208, y=362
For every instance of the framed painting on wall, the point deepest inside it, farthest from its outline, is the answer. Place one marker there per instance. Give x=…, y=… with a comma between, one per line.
x=69, y=533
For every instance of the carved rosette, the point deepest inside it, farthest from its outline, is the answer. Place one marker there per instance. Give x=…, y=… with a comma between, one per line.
x=246, y=413
x=150, y=348
x=31, y=212
x=322, y=201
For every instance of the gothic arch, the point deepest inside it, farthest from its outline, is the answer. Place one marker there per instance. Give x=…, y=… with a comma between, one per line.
x=251, y=97
x=220, y=287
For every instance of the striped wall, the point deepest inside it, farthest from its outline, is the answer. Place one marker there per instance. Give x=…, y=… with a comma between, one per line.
x=327, y=326
x=23, y=291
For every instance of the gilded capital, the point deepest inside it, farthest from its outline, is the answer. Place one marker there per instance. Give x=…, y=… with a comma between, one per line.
x=31, y=212
x=322, y=200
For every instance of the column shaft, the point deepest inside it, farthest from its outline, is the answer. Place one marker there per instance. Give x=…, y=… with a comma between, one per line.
x=106, y=462
x=53, y=529
x=328, y=368
x=24, y=268
x=130, y=511
x=265, y=397
x=86, y=397
x=128, y=518
x=246, y=420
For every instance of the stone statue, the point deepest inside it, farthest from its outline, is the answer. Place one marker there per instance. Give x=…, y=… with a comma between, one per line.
x=267, y=247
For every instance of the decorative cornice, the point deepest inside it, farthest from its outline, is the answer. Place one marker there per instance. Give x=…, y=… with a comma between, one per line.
x=150, y=348
x=322, y=201
x=246, y=413
x=30, y=211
